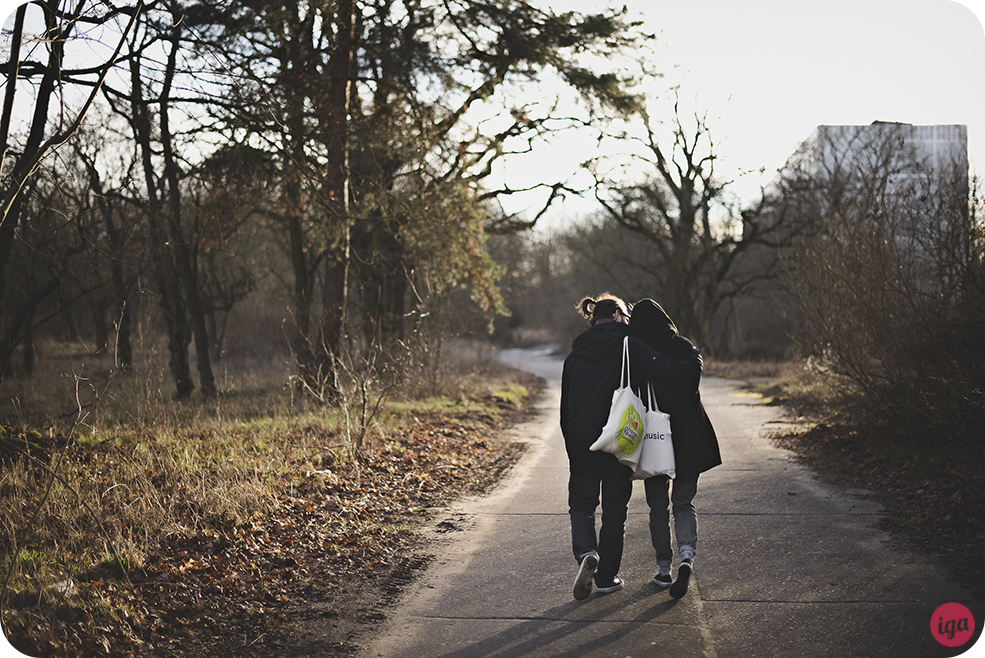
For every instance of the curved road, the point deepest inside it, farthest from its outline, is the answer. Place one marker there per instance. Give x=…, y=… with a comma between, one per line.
x=787, y=566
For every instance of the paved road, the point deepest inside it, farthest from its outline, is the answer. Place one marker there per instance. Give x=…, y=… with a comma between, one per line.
x=787, y=567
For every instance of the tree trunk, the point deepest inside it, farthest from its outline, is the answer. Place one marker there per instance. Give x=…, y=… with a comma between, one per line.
x=300, y=262
x=170, y=289
x=11, y=214
x=120, y=307
x=334, y=292
x=179, y=244
x=383, y=284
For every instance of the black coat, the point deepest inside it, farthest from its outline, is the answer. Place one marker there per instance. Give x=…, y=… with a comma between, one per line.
x=696, y=447
x=591, y=375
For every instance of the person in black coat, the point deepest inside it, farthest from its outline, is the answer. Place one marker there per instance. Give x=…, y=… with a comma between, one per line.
x=695, y=450
x=590, y=375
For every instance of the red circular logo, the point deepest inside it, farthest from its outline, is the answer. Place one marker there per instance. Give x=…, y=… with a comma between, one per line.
x=952, y=625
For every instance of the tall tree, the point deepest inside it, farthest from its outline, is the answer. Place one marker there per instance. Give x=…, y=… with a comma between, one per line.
x=419, y=72
x=165, y=270
x=179, y=242
x=163, y=107
x=336, y=284
x=278, y=100
x=414, y=139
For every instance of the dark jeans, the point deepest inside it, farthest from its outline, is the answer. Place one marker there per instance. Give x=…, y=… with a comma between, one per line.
x=583, y=500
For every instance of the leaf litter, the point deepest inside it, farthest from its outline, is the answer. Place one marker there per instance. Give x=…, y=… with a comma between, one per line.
x=310, y=576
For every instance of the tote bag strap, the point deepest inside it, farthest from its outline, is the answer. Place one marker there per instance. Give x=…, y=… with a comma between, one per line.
x=651, y=399
x=624, y=375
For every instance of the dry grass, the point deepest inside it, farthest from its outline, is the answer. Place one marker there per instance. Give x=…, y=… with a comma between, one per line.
x=800, y=385
x=748, y=370
x=98, y=469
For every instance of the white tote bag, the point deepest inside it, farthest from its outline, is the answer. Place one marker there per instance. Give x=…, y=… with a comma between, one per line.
x=623, y=433
x=657, y=451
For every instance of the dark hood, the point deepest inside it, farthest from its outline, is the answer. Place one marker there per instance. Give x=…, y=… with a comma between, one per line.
x=650, y=321
x=651, y=324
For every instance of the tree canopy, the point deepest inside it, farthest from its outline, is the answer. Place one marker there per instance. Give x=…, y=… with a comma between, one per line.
x=359, y=137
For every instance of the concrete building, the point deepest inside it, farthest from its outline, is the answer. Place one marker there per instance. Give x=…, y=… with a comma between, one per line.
x=889, y=172
x=924, y=148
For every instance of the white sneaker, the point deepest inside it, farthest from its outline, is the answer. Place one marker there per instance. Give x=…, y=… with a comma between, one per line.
x=585, y=576
x=614, y=586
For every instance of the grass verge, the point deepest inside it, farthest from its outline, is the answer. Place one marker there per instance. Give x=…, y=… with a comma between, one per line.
x=210, y=528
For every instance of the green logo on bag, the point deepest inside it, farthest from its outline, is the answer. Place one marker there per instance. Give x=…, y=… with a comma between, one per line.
x=630, y=430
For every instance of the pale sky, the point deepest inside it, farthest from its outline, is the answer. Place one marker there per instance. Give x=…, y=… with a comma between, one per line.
x=767, y=72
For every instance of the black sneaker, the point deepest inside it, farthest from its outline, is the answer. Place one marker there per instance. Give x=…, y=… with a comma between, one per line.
x=585, y=576
x=614, y=586
x=662, y=579
x=683, y=582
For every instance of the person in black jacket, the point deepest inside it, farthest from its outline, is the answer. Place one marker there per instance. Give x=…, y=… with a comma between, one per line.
x=590, y=376
x=695, y=451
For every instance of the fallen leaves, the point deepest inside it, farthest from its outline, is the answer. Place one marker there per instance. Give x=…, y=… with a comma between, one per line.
x=228, y=590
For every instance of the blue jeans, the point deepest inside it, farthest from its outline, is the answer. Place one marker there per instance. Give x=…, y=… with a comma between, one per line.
x=685, y=519
x=583, y=500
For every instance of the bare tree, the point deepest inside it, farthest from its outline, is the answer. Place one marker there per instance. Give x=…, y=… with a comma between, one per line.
x=178, y=240
x=889, y=278
x=680, y=212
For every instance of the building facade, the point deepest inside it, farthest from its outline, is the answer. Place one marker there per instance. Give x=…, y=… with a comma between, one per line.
x=908, y=184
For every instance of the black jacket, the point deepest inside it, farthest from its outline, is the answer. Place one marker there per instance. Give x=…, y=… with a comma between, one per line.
x=590, y=376
x=696, y=447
